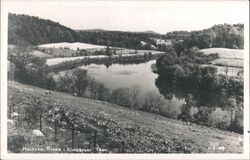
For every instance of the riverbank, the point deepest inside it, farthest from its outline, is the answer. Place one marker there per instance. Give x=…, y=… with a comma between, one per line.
x=59, y=64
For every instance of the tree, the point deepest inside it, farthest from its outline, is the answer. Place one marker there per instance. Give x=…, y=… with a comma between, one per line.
x=73, y=121
x=185, y=114
x=64, y=82
x=108, y=51
x=237, y=123
x=37, y=70
x=135, y=93
x=230, y=105
x=28, y=68
x=203, y=116
x=54, y=116
x=208, y=77
x=120, y=96
x=102, y=91
x=165, y=63
x=36, y=108
x=79, y=81
x=92, y=87
x=153, y=102
x=50, y=82
x=21, y=58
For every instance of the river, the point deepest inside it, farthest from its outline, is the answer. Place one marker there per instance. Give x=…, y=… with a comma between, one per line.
x=128, y=75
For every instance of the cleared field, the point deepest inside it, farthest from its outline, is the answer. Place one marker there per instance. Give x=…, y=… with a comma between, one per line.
x=59, y=52
x=72, y=46
x=200, y=137
x=225, y=52
x=12, y=49
x=229, y=62
x=54, y=61
x=40, y=54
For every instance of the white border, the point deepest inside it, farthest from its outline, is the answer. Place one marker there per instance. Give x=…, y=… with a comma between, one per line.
x=3, y=108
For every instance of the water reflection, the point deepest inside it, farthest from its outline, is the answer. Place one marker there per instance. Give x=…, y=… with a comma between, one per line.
x=205, y=98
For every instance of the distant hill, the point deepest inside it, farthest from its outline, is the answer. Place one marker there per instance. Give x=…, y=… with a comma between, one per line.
x=123, y=39
x=90, y=30
x=30, y=30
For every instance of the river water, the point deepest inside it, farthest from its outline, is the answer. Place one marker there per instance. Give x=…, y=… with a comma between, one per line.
x=128, y=75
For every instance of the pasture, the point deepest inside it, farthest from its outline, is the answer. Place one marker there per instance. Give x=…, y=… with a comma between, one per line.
x=73, y=46
x=225, y=52
x=230, y=62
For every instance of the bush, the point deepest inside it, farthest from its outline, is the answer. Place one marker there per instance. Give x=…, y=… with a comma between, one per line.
x=203, y=116
x=186, y=109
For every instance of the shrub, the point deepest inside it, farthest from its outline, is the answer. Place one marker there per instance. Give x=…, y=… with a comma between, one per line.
x=186, y=109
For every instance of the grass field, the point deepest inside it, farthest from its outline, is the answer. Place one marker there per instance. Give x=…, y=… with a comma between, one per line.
x=225, y=52
x=12, y=49
x=138, y=127
x=230, y=62
x=40, y=54
x=73, y=46
x=238, y=63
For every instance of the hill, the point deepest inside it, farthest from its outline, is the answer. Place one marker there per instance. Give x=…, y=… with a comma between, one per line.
x=30, y=30
x=122, y=39
x=141, y=131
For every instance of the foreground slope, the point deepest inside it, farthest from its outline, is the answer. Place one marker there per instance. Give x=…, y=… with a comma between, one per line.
x=200, y=137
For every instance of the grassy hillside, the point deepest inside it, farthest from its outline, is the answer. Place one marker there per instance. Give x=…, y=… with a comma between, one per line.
x=141, y=131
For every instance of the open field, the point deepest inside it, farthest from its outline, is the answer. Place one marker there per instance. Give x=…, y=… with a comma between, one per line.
x=238, y=63
x=225, y=52
x=138, y=127
x=230, y=62
x=73, y=46
x=59, y=52
x=34, y=52
x=40, y=54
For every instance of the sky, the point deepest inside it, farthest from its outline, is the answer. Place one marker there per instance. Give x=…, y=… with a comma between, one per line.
x=159, y=16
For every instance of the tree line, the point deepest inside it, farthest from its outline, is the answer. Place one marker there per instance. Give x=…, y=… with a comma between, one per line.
x=221, y=35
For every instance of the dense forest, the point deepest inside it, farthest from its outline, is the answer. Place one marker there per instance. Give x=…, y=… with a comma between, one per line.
x=131, y=40
x=30, y=30
x=222, y=35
